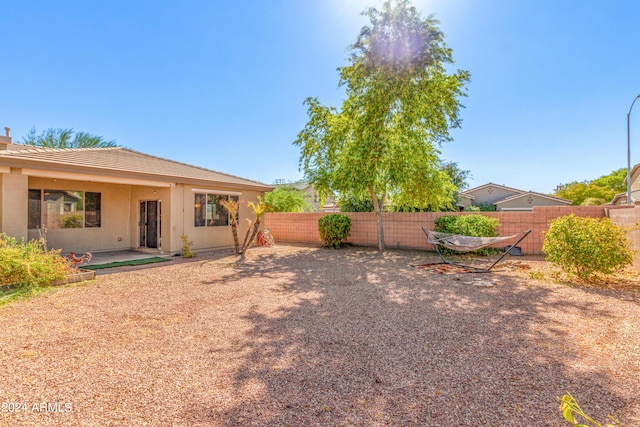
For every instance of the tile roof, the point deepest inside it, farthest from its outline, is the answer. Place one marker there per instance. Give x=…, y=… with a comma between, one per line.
x=118, y=161
x=491, y=184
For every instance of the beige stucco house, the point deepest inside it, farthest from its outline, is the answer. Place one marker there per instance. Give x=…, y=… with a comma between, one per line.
x=621, y=199
x=505, y=198
x=105, y=199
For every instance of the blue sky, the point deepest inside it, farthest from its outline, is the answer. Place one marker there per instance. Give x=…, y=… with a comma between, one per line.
x=221, y=84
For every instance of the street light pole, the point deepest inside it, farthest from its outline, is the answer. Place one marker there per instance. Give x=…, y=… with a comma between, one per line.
x=629, y=151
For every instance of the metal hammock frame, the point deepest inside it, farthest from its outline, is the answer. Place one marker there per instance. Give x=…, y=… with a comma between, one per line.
x=461, y=243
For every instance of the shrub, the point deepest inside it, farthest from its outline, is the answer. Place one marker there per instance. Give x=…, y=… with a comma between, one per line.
x=586, y=246
x=486, y=207
x=356, y=204
x=593, y=201
x=186, y=251
x=573, y=413
x=334, y=228
x=27, y=264
x=468, y=225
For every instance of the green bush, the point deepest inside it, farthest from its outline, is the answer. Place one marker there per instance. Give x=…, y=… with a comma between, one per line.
x=586, y=246
x=356, y=204
x=468, y=225
x=27, y=264
x=186, y=251
x=334, y=228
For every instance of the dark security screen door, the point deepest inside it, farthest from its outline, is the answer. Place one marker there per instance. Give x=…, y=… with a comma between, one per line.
x=150, y=224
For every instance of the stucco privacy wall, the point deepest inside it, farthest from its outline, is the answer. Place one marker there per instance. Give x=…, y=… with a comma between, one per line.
x=629, y=218
x=403, y=230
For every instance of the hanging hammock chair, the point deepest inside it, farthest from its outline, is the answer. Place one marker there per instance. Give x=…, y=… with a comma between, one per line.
x=460, y=243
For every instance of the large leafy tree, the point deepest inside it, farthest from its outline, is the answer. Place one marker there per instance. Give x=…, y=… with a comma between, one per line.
x=400, y=103
x=287, y=199
x=356, y=203
x=595, y=192
x=459, y=179
x=615, y=181
x=65, y=138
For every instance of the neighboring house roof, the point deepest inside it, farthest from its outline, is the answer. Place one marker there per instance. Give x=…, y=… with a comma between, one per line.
x=622, y=198
x=300, y=186
x=490, y=184
x=634, y=169
x=467, y=196
x=120, y=162
x=533, y=193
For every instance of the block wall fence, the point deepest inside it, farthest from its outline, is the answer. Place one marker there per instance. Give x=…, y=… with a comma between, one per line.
x=403, y=229
x=630, y=218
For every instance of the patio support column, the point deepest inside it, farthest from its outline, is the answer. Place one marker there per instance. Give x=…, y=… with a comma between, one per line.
x=14, y=193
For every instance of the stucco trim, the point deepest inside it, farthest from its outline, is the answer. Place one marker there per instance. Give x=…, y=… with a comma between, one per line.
x=94, y=178
x=215, y=191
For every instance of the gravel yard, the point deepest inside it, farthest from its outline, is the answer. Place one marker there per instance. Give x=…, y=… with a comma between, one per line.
x=306, y=336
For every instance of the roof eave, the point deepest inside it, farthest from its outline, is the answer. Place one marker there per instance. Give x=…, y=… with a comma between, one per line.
x=104, y=172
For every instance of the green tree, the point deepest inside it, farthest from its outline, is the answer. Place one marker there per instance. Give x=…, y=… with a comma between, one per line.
x=65, y=138
x=287, y=199
x=356, y=203
x=459, y=179
x=614, y=181
x=400, y=103
x=598, y=191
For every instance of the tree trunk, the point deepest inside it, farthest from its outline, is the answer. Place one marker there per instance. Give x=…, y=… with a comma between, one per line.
x=234, y=231
x=246, y=237
x=248, y=241
x=378, y=208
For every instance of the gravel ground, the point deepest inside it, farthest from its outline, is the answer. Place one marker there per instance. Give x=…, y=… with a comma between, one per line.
x=307, y=336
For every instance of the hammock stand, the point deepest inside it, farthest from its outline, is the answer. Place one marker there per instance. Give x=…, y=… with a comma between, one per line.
x=461, y=243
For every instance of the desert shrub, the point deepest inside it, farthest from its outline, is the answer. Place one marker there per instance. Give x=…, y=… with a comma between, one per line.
x=586, y=246
x=468, y=225
x=593, y=201
x=334, y=228
x=27, y=264
x=573, y=414
x=186, y=251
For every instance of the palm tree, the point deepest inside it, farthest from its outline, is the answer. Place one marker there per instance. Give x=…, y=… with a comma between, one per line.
x=66, y=138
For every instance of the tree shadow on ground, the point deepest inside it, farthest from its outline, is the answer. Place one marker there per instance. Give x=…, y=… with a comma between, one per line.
x=364, y=338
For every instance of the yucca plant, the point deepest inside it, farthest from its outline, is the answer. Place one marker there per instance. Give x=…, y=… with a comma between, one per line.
x=573, y=414
x=259, y=208
x=233, y=206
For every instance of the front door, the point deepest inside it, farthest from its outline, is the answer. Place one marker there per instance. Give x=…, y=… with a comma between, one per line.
x=149, y=224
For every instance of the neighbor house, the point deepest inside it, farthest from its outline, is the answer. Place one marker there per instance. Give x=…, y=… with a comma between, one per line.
x=504, y=198
x=105, y=199
x=621, y=199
